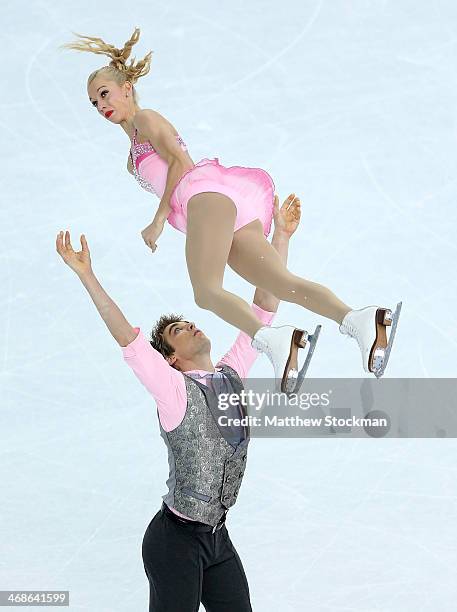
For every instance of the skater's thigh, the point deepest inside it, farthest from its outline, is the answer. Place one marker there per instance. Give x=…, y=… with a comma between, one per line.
x=225, y=586
x=172, y=565
x=255, y=259
x=209, y=234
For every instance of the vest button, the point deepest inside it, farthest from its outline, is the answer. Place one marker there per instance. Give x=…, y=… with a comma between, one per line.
x=240, y=475
x=244, y=457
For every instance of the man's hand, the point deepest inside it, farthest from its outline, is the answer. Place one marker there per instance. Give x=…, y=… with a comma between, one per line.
x=119, y=327
x=288, y=218
x=78, y=261
x=151, y=233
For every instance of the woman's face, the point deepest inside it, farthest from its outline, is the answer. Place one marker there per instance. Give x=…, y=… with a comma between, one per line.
x=110, y=99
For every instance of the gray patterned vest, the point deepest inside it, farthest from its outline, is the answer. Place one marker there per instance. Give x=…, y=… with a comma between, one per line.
x=206, y=462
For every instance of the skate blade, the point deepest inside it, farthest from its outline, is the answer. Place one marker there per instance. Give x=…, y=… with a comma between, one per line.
x=381, y=356
x=295, y=381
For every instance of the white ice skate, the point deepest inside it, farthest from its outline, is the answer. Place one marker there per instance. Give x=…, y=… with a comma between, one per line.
x=280, y=345
x=368, y=326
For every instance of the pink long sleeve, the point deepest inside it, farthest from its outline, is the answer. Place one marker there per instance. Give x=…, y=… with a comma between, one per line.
x=242, y=356
x=167, y=385
x=164, y=383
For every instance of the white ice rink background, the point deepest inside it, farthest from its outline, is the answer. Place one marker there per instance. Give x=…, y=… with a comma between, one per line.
x=352, y=106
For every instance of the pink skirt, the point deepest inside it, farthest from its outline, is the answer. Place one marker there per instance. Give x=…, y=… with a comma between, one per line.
x=251, y=189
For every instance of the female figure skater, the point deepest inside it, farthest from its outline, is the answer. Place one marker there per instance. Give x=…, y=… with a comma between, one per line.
x=226, y=214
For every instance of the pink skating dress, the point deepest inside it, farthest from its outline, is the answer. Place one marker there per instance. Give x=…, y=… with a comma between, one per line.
x=251, y=189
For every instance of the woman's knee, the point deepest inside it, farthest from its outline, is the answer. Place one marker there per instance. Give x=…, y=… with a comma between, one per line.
x=205, y=297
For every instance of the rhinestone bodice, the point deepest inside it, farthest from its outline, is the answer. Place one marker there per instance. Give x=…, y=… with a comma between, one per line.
x=145, y=149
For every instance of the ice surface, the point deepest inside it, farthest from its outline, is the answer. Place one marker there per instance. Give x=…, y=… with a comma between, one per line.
x=351, y=105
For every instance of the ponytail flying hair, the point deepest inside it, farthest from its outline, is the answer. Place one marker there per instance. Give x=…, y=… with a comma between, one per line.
x=117, y=68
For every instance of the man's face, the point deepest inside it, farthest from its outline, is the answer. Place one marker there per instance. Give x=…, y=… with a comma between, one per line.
x=186, y=339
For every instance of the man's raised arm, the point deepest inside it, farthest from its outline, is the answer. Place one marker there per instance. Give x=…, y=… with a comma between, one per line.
x=164, y=383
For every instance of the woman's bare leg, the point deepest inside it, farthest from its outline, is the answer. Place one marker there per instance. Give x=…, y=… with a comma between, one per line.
x=257, y=261
x=210, y=225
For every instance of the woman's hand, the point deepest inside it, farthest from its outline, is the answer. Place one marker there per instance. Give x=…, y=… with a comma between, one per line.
x=151, y=233
x=288, y=218
x=78, y=261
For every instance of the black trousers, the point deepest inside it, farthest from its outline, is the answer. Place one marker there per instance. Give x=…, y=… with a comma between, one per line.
x=186, y=566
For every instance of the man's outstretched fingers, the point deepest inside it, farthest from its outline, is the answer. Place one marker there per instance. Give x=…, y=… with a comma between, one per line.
x=59, y=243
x=68, y=242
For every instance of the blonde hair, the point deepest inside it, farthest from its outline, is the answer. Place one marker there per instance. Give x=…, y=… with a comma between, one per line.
x=117, y=69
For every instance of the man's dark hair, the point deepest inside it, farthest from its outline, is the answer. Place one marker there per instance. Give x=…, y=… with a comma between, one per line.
x=157, y=340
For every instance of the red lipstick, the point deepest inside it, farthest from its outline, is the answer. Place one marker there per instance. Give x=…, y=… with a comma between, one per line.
x=108, y=114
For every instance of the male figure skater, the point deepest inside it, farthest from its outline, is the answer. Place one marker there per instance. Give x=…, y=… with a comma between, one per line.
x=187, y=552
